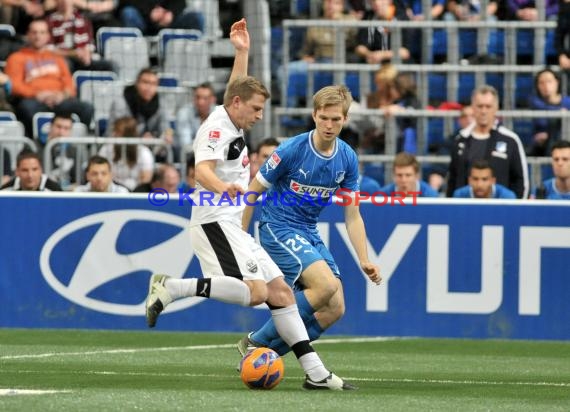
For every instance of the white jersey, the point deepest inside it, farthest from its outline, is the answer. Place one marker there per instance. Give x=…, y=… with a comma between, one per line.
x=219, y=139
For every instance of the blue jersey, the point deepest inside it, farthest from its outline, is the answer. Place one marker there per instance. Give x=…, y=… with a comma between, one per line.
x=552, y=193
x=421, y=186
x=302, y=181
x=499, y=192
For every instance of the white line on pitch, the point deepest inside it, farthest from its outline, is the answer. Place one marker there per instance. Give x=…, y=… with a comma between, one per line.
x=174, y=348
x=380, y=380
x=13, y=392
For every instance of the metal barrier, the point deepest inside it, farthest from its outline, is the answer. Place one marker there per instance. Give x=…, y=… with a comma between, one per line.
x=509, y=71
x=534, y=163
x=91, y=146
x=507, y=117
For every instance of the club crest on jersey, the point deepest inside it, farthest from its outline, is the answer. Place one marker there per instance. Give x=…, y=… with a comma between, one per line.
x=273, y=161
x=339, y=177
x=251, y=266
x=313, y=191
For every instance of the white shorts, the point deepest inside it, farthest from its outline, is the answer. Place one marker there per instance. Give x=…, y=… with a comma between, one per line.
x=224, y=249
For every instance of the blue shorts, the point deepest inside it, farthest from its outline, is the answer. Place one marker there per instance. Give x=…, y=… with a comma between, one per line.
x=293, y=250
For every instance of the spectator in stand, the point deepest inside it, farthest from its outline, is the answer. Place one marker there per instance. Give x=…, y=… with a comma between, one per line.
x=319, y=47
x=487, y=139
x=264, y=149
x=190, y=117
x=557, y=188
x=5, y=91
x=20, y=13
x=406, y=175
x=190, y=179
x=164, y=177
x=562, y=35
x=414, y=11
x=41, y=80
x=374, y=42
x=63, y=156
x=100, y=178
x=29, y=175
x=150, y=15
x=6, y=167
x=142, y=102
x=132, y=164
x=547, y=96
x=72, y=36
x=470, y=10
x=525, y=10
x=483, y=184
x=395, y=92
x=101, y=13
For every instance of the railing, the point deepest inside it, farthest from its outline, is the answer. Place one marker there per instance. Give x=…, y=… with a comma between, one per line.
x=391, y=129
x=91, y=146
x=453, y=68
x=534, y=163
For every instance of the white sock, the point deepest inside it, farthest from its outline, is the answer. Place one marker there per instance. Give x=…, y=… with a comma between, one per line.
x=224, y=288
x=291, y=328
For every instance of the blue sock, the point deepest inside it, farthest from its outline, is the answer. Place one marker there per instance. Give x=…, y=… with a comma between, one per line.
x=313, y=329
x=268, y=333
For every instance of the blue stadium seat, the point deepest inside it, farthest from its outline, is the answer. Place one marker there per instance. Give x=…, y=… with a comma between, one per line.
x=524, y=128
x=105, y=33
x=7, y=117
x=435, y=130
x=375, y=171
x=523, y=89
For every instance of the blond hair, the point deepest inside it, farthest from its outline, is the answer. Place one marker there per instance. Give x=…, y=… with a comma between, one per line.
x=332, y=96
x=245, y=88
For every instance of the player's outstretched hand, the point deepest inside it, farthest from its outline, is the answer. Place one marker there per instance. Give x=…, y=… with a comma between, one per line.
x=239, y=35
x=372, y=271
x=233, y=189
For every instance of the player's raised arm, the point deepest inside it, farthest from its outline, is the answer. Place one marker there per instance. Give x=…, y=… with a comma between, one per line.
x=239, y=37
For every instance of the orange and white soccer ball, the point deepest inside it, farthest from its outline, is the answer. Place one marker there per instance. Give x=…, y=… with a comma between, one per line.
x=261, y=368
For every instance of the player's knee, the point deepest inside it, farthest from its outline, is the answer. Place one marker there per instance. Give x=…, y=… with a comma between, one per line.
x=280, y=294
x=258, y=294
x=328, y=289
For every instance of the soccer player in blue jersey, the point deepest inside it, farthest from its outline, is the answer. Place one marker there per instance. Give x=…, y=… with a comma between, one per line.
x=406, y=174
x=300, y=178
x=483, y=184
x=558, y=187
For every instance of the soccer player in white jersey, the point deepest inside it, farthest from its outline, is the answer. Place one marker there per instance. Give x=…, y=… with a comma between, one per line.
x=236, y=269
x=300, y=178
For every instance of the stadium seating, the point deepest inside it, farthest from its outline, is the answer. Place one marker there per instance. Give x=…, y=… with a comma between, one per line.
x=167, y=35
x=9, y=129
x=7, y=116
x=126, y=47
x=189, y=60
x=42, y=121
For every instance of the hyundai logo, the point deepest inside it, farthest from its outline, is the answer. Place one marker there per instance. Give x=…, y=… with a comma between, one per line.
x=100, y=262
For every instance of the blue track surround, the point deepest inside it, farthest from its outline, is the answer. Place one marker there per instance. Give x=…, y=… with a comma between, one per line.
x=452, y=268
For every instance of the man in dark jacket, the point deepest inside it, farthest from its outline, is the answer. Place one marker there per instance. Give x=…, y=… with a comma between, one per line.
x=487, y=139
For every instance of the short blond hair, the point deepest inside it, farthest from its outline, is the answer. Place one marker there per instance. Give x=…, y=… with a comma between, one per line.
x=245, y=87
x=331, y=96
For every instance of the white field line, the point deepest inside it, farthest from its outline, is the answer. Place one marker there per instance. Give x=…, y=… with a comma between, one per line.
x=226, y=346
x=378, y=380
x=176, y=348
x=13, y=392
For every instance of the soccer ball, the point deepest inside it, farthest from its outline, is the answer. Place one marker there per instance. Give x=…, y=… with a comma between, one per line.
x=261, y=368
